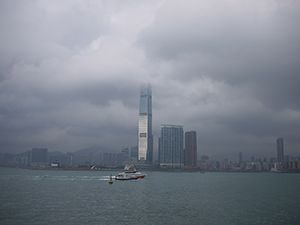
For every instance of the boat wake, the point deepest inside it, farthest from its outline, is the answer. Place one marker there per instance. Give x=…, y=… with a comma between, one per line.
x=106, y=177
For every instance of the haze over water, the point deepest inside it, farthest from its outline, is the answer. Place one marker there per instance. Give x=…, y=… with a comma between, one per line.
x=86, y=197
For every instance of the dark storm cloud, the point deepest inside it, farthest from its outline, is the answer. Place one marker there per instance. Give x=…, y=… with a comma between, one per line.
x=71, y=72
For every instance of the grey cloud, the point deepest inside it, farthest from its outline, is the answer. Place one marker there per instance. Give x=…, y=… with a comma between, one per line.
x=252, y=46
x=70, y=73
x=234, y=44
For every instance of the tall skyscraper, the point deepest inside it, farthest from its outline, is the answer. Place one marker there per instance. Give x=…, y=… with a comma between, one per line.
x=145, y=137
x=280, y=154
x=190, y=152
x=171, y=146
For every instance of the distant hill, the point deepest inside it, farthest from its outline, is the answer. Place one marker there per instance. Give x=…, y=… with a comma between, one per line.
x=22, y=154
x=84, y=151
x=55, y=153
x=94, y=149
x=49, y=153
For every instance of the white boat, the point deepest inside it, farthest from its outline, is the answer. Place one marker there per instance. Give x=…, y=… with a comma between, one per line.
x=126, y=176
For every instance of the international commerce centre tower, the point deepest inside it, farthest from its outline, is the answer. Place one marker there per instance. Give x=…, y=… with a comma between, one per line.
x=145, y=137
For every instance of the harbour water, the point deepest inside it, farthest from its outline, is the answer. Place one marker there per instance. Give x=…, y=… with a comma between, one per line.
x=86, y=197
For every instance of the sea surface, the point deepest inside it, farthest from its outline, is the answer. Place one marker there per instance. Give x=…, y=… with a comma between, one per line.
x=86, y=197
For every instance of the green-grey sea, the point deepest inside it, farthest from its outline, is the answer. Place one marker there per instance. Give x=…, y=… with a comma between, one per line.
x=86, y=197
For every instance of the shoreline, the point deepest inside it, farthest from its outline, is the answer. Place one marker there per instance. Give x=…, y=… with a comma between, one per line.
x=147, y=169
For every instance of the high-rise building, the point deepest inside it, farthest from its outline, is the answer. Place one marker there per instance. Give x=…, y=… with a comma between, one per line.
x=145, y=137
x=134, y=152
x=98, y=158
x=240, y=157
x=39, y=157
x=159, y=150
x=81, y=160
x=125, y=151
x=109, y=159
x=190, y=152
x=171, y=146
x=280, y=154
x=70, y=159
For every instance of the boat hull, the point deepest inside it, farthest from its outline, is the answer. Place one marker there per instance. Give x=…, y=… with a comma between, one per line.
x=131, y=178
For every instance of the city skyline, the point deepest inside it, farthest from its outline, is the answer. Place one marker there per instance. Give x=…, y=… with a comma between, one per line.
x=189, y=141
x=172, y=156
x=70, y=74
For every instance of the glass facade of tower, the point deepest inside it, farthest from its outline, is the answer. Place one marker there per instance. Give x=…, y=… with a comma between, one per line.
x=171, y=146
x=145, y=138
x=280, y=154
x=190, y=156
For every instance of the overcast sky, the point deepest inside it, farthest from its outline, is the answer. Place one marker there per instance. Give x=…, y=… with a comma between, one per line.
x=70, y=73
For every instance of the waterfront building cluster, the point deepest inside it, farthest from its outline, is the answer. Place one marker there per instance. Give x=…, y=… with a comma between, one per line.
x=41, y=158
x=171, y=151
x=129, y=156
x=252, y=165
x=176, y=150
